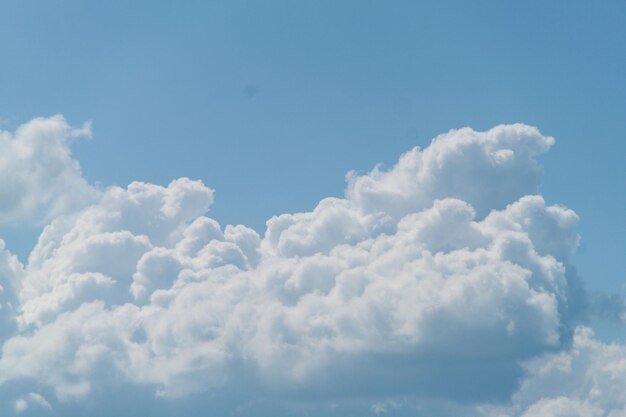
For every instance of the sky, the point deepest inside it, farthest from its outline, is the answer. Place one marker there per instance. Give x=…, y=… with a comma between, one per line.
x=240, y=208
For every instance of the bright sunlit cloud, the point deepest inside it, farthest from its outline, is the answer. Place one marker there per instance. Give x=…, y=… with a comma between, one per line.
x=444, y=280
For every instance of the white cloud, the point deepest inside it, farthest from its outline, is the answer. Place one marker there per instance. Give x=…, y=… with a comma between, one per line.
x=434, y=279
x=40, y=180
x=29, y=400
x=93, y=254
x=486, y=169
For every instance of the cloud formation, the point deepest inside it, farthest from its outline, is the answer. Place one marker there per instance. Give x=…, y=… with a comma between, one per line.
x=436, y=280
x=586, y=380
x=40, y=180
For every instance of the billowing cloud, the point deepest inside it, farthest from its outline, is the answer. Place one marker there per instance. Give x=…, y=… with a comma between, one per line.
x=40, y=180
x=435, y=280
x=486, y=169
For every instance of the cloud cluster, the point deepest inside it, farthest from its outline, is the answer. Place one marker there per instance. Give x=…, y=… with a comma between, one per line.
x=434, y=279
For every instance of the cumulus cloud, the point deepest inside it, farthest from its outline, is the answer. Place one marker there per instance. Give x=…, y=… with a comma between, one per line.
x=436, y=279
x=40, y=180
x=486, y=169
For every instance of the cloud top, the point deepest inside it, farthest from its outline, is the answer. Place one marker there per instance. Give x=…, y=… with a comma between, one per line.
x=40, y=180
x=488, y=170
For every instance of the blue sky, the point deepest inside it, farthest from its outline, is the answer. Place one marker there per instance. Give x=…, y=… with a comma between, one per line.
x=272, y=103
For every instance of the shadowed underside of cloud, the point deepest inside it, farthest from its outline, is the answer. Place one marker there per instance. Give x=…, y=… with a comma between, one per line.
x=440, y=285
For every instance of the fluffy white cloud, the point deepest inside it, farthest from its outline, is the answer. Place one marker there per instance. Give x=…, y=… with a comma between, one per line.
x=40, y=180
x=486, y=169
x=434, y=279
x=93, y=254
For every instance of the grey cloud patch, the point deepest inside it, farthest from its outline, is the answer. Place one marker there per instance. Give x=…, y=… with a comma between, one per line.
x=429, y=285
x=586, y=380
x=31, y=400
x=609, y=306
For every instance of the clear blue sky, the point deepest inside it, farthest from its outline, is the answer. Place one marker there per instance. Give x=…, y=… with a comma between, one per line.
x=271, y=103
